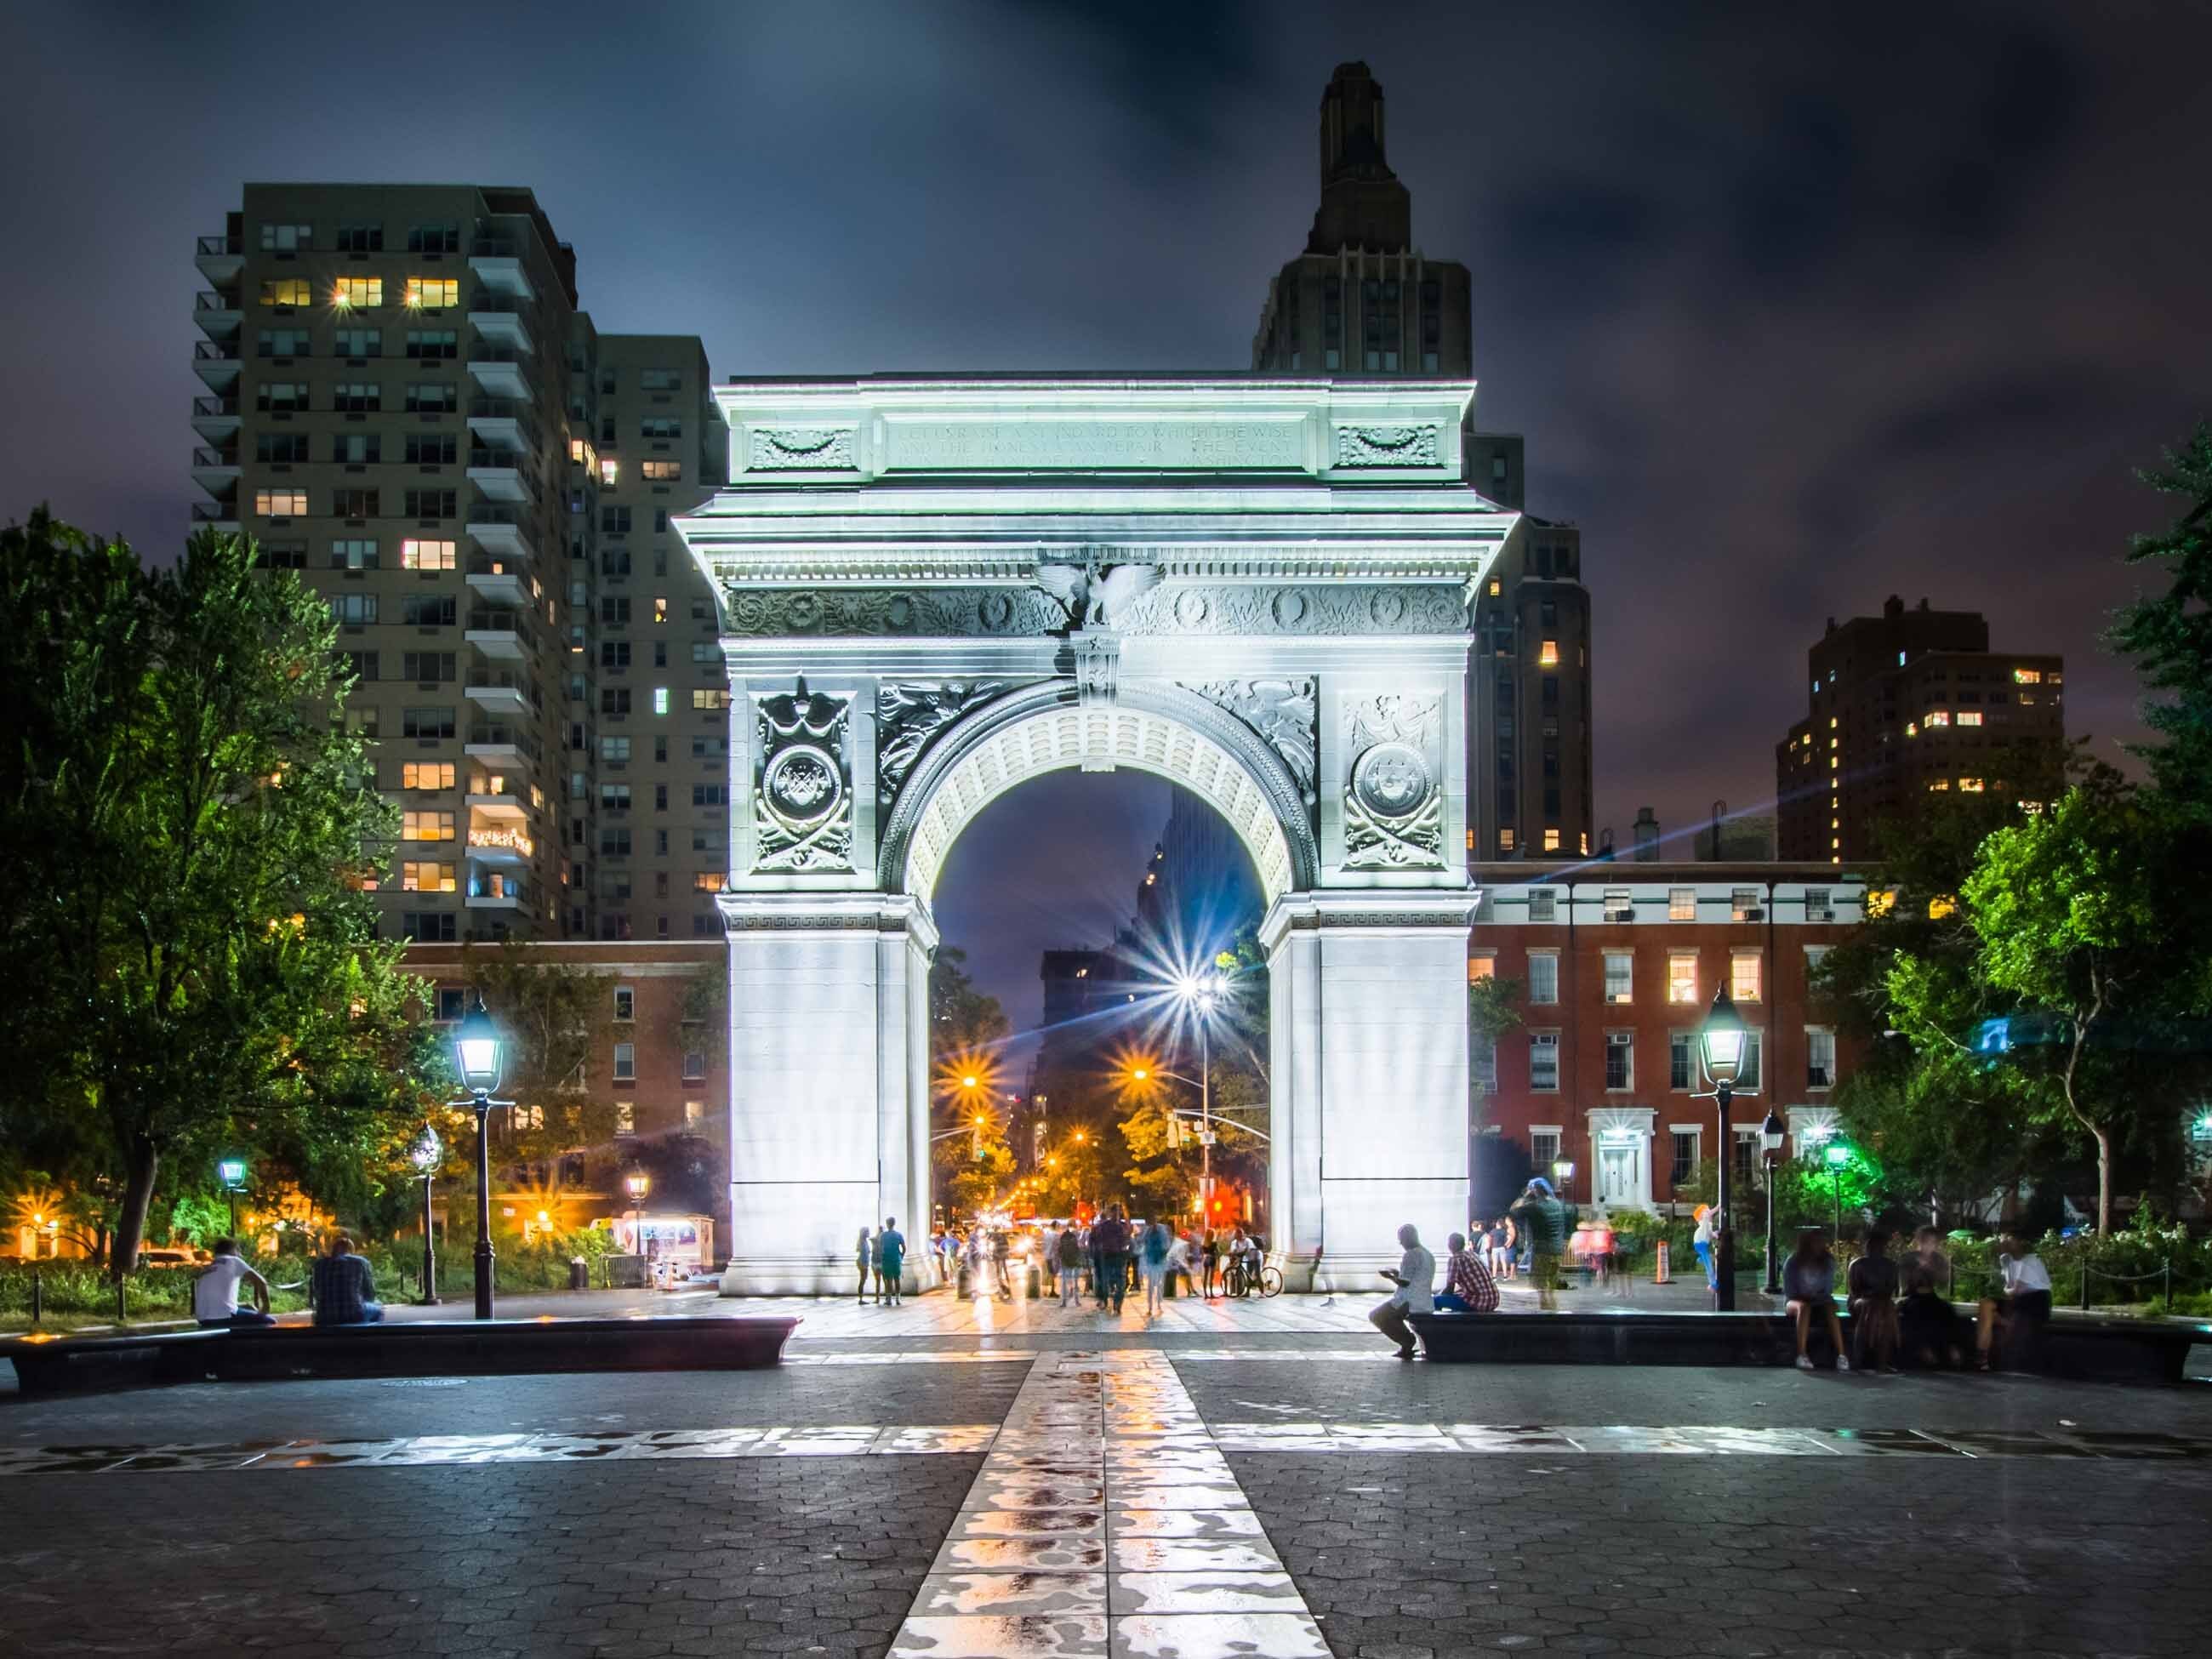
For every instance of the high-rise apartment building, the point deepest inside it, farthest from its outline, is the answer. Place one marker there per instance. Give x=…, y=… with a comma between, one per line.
x=1363, y=300
x=1909, y=703
x=405, y=404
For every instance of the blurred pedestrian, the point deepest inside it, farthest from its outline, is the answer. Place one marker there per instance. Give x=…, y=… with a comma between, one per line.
x=1870, y=1290
x=890, y=1262
x=1152, y=1259
x=1930, y=1330
x=1109, y=1239
x=1543, y=1223
x=1067, y=1249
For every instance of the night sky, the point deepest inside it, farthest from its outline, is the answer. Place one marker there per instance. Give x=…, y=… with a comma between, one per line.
x=1798, y=306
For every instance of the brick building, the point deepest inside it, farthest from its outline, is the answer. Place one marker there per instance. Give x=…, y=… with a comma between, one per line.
x=1618, y=964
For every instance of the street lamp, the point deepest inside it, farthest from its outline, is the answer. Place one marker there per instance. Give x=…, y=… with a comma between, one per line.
x=478, y=1051
x=1770, y=1142
x=232, y=1171
x=1563, y=1174
x=1201, y=993
x=424, y=1155
x=1721, y=1043
x=1839, y=1155
x=637, y=1184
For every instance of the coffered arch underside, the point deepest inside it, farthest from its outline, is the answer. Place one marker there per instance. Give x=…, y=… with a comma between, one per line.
x=1098, y=738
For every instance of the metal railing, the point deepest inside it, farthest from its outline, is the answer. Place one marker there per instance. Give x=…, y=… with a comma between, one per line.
x=494, y=247
x=214, y=405
x=214, y=511
x=499, y=732
x=204, y=457
x=218, y=245
x=205, y=351
x=205, y=302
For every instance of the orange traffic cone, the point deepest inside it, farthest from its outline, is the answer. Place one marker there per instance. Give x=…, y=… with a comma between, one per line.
x=1659, y=1274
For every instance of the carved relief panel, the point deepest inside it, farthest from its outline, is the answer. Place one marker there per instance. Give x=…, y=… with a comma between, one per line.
x=802, y=782
x=1393, y=781
x=909, y=713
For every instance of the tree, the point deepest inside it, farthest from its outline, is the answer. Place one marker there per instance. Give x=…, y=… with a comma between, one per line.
x=555, y=1019
x=2170, y=635
x=189, y=823
x=960, y=1018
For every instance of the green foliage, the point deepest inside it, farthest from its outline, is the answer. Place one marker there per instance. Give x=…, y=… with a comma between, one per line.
x=187, y=819
x=2169, y=635
x=555, y=1019
x=199, y=1218
x=961, y=1019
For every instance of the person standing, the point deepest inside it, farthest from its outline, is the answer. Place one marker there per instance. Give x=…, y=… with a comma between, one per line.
x=1469, y=1287
x=1001, y=1248
x=1109, y=1236
x=1153, y=1255
x=1069, y=1250
x=1871, y=1290
x=215, y=1293
x=890, y=1262
x=2022, y=1306
x=1808, y=1281
x=1213, y=1262
x=1701, y=1241
x=1416, y=1278
x=864, y=1258
x=1542, y=1220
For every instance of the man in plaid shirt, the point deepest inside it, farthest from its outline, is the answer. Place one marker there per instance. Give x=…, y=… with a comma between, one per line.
x=1469, y=1287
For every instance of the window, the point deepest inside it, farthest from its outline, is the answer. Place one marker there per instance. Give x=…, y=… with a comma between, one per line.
x=1620, y=1059
x=1969, y=717
x=1685, y=1165
x=1480, y=968
x=625, y=1002
x=1814, y=955
x=1620, y=976
x=614, y=798
x=453, y=1004
x=287, y=238
x=614, y=843
x=353, y=609
x=428, y=927
x=433, y=239
x=709, y=794
x=1971, y=786
x=1543, y=1148
x=354, y=553
x=709, y=749
x=615, y=521
x=283, y=397
x=614, y=701
x=709, y=701
x=660, y=380
x=1547, y=653
x=357, y=398
x=1747, y=1074
x=426, y=878
x=426, y=826
x=282, y=343
x=431, y=448
x=355, y=503
x=281, y=555
x=1543, y=905
x=282, y=449
x=432, y=344
x=709, y=881
x=360, y=239
x=614, y=611
x=694, y=1067
x=660, y=700
x=416, y=554
x=433, y=292
x=1744, y=977
x=359, y=342
x=432, y=397
x=1743, y=904
x=625, y=1110
x=431, y=504
x=351, y=291
x=435, y=667
x=1543, y=976
x=660, y=472
x=281, y=503
x=287, y=291
x=1681, y=904
x=1936, y=717
x=1484, y=1057
x=356, y=448
x=361, y=664
x=1682, y=1062
x=1544, y=1062
x=614, y=654
x=426, y=774
x=1819, y=1057
x=426, y=723
x=615, y=750
x=428, y=610
x=1682, y=977
x=625, y=1062
x=1619, y=906
x=666, y=427
x=695, y=1111
x=1746, y=1147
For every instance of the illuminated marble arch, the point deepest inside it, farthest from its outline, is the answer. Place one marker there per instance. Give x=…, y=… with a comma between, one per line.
x=933, y=589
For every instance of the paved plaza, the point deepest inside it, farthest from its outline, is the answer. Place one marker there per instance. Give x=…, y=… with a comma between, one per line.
x=953, y=1479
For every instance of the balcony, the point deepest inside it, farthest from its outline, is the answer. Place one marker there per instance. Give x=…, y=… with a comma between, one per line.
x=492, y=891
x=500, y=748
x=215, y=470
x=500, y=805
x=498, y=530
x=498, y=371
x=215, y=516
x=221, y=259
x=497, y=582
x=502, y=423
x=502, y=475
x=215, y=418
x=500, y=847
x=502, y=322
x=216, y=362
x=499, y=691
x=217, y=314
x=500, y=634
x=496, y=261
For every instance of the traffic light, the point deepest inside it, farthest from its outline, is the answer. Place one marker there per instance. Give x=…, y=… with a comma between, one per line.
x=1174, y=1131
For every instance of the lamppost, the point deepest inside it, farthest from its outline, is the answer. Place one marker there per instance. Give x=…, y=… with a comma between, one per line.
x=478, y=1051
x=1769, y=1141
x=1201, y=993
x=232, y=1172
x=1839, y=1155
x=1563, y=1174
x=637, y=1184
x=424, y=1155
x=1720, y=1043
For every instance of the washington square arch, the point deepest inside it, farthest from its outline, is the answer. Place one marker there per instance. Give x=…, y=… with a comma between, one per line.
x=934, y=588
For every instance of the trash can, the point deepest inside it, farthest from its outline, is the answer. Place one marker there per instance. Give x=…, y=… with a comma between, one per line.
x=963, y=1292
x=1168, y=1290
x=1036, y=1283
x=580, y=1274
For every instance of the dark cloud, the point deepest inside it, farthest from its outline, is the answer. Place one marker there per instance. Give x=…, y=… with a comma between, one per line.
x=1797, y=307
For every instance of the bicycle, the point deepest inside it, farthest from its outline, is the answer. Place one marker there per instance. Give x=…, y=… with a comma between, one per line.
x=1240, y=1281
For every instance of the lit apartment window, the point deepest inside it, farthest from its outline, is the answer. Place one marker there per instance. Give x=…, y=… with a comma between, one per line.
x=1681, y=904
x=433, y=292
x=1969, y=717
x=2027, y=677
x=1682, y=977
x=426, y=878
x=281, y=503
x=1544, y=1062
x=1551, y=841
x=1543, y=976
x=1620, y=1059
x=660, y=700
x=1743, y=903
x=416, y=554
x=709, y=881
x=1744, y=977
x=609, y=471
x=1819, y=1057
x=695, y=1113
x=625, y=1062
x=349, y=292
x=1619, y=906
x=1480, y=968
x=660, y=472
x=706, y=700
x=1971, y=786
x=625, y=1003
x=1937, y=785
x=1620, y=976
x=426, y=826
x=1936, y=717
x=1506, y=839
x=426, y=774
x=1547, y=654
x=287, y=291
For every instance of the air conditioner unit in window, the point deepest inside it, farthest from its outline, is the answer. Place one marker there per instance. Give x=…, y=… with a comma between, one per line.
x=1819, y=915
x=1756, y=912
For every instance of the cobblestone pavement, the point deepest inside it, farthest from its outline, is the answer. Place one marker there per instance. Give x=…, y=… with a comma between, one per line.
x=2001, y=1539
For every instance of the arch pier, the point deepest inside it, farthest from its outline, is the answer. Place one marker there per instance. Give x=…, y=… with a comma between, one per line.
x=934, y=589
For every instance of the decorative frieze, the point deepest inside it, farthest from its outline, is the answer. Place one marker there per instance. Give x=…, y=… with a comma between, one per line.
x=802, y=785
x=1029, y=612
x=994, y=443
x=801, y=449
x=1393, y=793
x=909, y=713
x=1281, y=710
x=1388, y=446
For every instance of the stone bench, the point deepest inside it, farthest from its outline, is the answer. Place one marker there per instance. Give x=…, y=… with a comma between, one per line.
x=2104, y=1350
x=61, y=1365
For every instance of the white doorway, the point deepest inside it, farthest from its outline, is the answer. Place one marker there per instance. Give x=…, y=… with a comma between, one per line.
x=1620, y=1176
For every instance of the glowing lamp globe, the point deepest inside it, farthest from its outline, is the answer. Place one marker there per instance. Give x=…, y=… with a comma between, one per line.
x=1839, y=1155
x=476, y=1051
x=427, y=1150
x=232, y=1171
x=1721, y=1039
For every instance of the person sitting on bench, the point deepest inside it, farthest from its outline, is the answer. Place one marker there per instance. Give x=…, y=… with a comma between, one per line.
x=215, y=1293
x=343, y=1288
x=1469, y=1287
x=2022, y=1310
